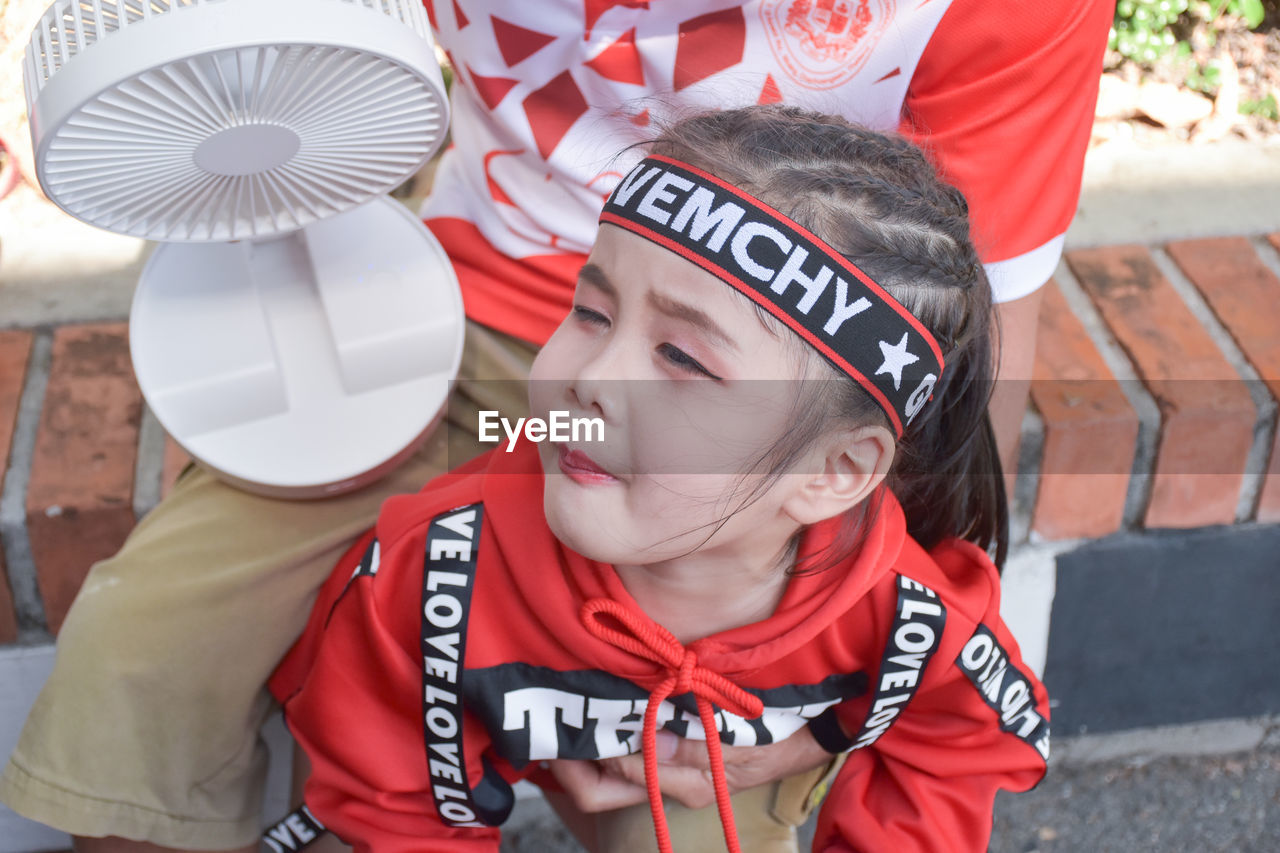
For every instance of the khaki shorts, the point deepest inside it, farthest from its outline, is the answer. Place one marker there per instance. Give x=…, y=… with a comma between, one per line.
x=766, y=818
x=148, y=727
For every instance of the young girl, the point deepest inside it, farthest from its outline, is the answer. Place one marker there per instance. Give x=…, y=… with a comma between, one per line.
x=783, y=330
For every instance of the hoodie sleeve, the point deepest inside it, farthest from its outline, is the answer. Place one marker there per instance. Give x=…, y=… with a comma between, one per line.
x=352, y=690
x=978, y=723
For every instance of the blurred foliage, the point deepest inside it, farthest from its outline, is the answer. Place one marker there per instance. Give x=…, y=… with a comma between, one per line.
x=1266, y=107
x=1145, y=31
x=1182, y=34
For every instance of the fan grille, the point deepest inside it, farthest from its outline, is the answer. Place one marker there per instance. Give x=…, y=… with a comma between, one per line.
x=70, y=27
x=181, y=152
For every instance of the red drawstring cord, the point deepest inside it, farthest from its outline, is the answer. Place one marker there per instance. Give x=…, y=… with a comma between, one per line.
x=653, y=642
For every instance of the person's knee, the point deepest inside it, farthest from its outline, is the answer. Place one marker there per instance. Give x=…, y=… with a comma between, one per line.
x=110, y=621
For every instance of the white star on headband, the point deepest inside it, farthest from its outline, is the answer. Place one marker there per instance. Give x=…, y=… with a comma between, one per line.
x=895, y=358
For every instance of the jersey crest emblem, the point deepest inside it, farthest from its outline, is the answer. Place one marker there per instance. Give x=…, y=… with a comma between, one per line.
x=822, y=44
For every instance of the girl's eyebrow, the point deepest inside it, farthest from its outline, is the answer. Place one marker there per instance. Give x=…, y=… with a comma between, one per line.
x=693, y=316
x=593, y=275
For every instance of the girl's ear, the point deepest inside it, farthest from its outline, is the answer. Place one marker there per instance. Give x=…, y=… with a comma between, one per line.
x=855, y=463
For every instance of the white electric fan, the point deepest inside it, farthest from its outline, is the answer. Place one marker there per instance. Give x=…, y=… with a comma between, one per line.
x=297, y=330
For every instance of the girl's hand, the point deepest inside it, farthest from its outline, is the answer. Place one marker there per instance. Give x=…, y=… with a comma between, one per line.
x=592, y=788
x=684, y=772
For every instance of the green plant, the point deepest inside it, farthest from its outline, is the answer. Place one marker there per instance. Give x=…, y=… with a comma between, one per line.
x=1204, y=78
x=1252, y=11
x=1145, y=31
x=1267, y=107
x=1142, y=29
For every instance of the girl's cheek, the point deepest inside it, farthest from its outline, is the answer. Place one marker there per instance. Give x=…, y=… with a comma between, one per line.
x=554, y=360
x=539, y=370
x=540, y=398
x=545, y=382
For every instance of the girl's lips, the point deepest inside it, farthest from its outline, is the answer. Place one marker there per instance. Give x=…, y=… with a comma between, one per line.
x=580, y=468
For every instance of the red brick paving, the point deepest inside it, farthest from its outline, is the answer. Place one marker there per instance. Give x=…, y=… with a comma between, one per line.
x=15, y=353
x=80, y=498
x=1091, y=430
x=8, y=616
x=1207, y=413
x=1245, y=297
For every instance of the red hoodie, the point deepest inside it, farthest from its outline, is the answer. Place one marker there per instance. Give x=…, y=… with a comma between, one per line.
x=459, y=644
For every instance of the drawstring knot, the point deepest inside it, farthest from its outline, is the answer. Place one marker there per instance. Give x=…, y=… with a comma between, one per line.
x=654, y=643
x=684, y=676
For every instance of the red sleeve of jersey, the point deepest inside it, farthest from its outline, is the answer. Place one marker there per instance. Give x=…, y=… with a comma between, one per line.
x=978, y=723
x=1004, y=100
x=352, y=693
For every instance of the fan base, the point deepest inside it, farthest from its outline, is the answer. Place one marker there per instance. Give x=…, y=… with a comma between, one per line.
x=306, y=365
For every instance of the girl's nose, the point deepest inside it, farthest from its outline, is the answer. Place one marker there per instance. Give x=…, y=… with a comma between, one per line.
x=597, y=386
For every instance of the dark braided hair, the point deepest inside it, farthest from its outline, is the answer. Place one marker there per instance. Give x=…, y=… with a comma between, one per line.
x=876, y=199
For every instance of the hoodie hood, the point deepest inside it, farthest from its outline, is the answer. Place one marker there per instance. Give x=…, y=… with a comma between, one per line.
x=554, y=593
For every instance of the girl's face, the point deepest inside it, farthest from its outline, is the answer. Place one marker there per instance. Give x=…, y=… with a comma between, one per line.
x=693, y=391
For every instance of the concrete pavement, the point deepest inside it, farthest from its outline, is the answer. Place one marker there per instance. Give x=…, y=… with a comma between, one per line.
x=1205, y=804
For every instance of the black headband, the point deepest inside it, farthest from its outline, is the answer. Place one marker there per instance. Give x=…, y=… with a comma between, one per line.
x=795, y=276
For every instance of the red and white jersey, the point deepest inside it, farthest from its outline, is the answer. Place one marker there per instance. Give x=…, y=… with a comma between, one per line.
x=547, y=93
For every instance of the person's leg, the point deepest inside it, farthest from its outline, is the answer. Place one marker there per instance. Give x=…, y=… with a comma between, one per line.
x=581, y=824
x=766, y=818
x=124, y=845
x=1018, y=320
x=148, y=726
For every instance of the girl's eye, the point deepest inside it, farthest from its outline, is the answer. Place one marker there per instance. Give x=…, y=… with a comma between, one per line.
x=683, y=361
x=586, y=315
